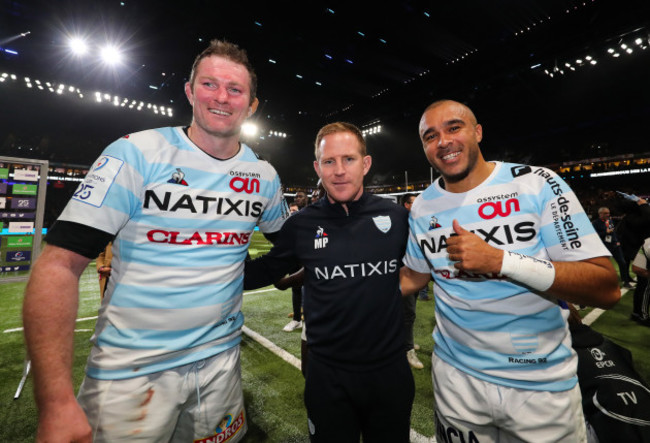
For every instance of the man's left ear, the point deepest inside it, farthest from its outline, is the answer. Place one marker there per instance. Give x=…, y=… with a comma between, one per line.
x=479, y=132
x=189, y=93
x=367, y=162
x=253, y=107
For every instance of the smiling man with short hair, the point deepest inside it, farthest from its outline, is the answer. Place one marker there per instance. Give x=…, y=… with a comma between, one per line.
x=180, y=205
x=350, y=244
x=504, y=244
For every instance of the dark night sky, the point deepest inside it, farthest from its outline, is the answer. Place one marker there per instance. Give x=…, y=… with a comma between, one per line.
x=373, y=63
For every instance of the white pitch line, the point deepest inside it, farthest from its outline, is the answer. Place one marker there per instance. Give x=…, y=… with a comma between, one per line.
x=597, y=312
x=77, y=320
x=261, y=290
x=268, y=344
x=592, y=316
x=414, y=437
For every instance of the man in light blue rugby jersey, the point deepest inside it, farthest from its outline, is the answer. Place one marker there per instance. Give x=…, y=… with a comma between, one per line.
x=503, y=242
x=180, y=205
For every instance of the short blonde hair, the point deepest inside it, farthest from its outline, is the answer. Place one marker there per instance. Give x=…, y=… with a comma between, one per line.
x=333, y=128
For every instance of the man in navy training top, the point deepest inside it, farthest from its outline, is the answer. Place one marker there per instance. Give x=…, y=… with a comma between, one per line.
x=350, y=243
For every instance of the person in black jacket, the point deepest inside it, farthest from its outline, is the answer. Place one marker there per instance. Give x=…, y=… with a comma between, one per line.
x=350, y=244
x=634, y=227
x=641, y=267
x=604, y=226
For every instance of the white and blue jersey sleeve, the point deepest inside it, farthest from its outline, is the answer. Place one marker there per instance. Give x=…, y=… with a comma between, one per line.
x=486, y=325
x=183, y=222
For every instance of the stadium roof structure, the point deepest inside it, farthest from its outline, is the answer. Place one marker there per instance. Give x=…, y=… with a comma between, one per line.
x=550, y=80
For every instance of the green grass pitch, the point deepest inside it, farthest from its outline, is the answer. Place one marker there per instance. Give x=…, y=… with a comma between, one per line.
x=273, y=388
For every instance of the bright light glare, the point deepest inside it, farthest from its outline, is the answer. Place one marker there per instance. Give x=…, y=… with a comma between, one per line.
x=111, y=55
x=78, y=46
x=249, y=129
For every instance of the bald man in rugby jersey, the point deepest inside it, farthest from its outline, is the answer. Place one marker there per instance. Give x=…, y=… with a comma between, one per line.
x=503, y=242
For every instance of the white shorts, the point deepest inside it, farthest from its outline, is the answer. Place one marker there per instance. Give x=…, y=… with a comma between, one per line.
x=473, y=410
x=199, y=402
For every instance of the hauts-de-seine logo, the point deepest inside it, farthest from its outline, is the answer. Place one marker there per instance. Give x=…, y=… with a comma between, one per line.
x=178, y=177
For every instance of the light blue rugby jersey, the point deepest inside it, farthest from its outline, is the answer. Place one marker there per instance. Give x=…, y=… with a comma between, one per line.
x=486, y=325
x=183, y=222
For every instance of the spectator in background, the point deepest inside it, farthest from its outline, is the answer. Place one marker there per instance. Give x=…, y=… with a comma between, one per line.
x=299, y=201
x=165, y=359
x=641, y=267
x=409, y=305
x=634, y=227
x=318, y=193
x=293, y=208
x=604, y=226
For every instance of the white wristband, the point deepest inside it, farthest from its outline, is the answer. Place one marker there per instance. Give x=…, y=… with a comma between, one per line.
x=533, y=272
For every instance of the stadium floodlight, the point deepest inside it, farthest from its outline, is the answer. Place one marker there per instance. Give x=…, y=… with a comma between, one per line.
x=78, y=46
x=111, y=55
x=249, y=129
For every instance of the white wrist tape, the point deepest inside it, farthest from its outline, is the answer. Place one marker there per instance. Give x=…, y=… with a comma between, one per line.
x=533, y=272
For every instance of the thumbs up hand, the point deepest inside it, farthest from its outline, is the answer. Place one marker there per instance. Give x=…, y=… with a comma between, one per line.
x=471, y=253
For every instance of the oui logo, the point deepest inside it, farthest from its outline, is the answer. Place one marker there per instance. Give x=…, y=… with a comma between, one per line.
x=489, y=210
x=245, y=184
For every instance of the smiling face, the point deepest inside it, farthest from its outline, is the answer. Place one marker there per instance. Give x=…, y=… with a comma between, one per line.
x=341, y=166
x=450, y=137
x=220, y=97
